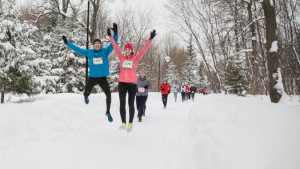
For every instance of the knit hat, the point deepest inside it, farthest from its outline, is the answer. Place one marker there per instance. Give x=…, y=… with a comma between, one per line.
x=165, y=80
x=96, y=40
x=128, y=45
x=142, y=71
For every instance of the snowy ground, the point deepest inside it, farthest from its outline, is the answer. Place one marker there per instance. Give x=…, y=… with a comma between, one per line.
x=213, y=132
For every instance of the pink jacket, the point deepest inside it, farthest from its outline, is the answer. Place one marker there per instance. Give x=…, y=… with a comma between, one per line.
x=128, y=65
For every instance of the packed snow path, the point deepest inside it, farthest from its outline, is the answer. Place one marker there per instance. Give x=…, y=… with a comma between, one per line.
x=212, y=132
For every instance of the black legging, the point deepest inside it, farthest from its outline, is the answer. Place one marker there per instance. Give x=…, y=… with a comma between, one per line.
x=165, y=99
x=183, y=96
x=141, y=104
x=123, y=88
x=193, y=96
x=102, y=81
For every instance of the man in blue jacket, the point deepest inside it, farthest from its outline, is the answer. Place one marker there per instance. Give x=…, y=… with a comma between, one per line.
x=99, y=67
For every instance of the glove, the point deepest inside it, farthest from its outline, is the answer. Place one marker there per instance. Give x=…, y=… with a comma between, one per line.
x=152, y=35
x=115, y=28
x=108, y=32
x=65, y=39
x=146, y=87
x=162, y=89
x=169, y=92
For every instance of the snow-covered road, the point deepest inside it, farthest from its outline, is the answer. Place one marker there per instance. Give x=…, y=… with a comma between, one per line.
x=215, y=131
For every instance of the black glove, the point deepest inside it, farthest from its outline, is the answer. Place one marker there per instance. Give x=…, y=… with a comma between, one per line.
x=146, y=87
x=162, y=89
x=152, y=35
x=115, y=28
x=65, y=39
x=169, y=92
x=108, y=32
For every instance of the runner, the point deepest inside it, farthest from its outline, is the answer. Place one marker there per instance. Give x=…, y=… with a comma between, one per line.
x=143, y=86
x=99, y=67
x=165, y=91
x=127, y=77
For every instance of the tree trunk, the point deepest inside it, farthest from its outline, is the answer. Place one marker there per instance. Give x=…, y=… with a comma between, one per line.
x=264, y=64
x=254, y=79
x=2, y=96
x=272, y=56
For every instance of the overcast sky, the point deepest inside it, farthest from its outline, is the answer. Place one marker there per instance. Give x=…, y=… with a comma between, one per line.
x=160, y=14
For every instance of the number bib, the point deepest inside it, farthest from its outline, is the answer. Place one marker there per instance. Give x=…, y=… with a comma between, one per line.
x=127, y=64
x=98, y=61
x=141, y=90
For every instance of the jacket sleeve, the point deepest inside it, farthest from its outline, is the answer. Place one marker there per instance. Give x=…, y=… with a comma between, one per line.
x=169, y=89
x=77, y=49
x=144, y=50
x=116, y=48
x=109, y=48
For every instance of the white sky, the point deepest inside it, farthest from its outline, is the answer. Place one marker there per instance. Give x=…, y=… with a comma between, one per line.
x=157, y=6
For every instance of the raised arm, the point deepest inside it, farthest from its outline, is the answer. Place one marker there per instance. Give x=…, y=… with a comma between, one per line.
x=115, y=46
x=75, y=48
x=109, y=48
x=147, y=45
x=144, y=50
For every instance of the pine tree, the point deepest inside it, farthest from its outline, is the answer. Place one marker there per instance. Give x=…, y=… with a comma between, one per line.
x=190, y=71
x=235, y=82
x=114, y=67
x=203, y=78
x=172, y=74
x=62, y=70
x=17, y=52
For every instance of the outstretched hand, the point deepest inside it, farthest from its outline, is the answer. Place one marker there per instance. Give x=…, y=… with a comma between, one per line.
x=153, y=34
x=115, y=28
x=64, y=39
x=108, y=32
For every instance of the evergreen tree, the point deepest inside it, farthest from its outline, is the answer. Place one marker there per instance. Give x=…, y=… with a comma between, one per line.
x=172, y=74
x=114, y=74
x=62, y=70
x=190, y=71
x=203, y=78
x=17, y=52
x=235, y=81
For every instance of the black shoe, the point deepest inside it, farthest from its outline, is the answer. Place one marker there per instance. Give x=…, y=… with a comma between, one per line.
x=140, y=119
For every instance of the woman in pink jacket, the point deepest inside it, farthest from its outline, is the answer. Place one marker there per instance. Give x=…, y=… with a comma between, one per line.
x=128, y=77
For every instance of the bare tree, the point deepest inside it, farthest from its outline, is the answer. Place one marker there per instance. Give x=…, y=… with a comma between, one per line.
x=272, y=54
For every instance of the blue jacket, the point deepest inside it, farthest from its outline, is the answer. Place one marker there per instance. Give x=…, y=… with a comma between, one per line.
x=98, y=59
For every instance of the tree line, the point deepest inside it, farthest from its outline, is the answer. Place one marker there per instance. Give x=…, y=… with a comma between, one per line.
x=240, y=46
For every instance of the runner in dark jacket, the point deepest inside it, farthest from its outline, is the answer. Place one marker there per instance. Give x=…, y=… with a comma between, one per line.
x=193, y=91
x=143, y=86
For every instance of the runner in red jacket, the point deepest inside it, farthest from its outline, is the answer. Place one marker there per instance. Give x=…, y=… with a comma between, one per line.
x=165, y=89
x=128, y=77
x=187, y=92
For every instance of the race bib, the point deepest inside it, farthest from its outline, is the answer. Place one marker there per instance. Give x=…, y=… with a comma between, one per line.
x=98, y=61
x=127, y=64
x=141, y=90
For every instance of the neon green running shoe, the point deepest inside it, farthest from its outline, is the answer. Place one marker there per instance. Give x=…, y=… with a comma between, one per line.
x=123, y=126
x=129, y=127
